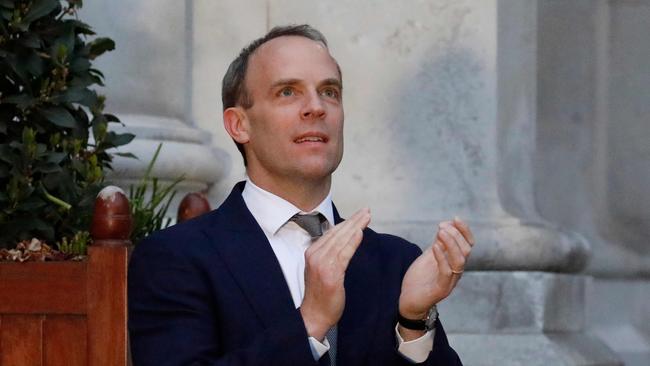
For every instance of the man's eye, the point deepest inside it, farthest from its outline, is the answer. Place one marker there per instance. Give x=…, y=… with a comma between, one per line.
x=331, y=93
x=286, y=92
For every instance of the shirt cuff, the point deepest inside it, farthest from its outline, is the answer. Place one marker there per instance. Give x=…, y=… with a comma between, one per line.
x=418, y=349
x=318, y=349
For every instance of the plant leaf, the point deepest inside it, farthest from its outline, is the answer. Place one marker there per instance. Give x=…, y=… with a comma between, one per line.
x=59, y=116
x=34, y=64
x=79, y=65
x=22, y=101
x=89, y=99
x=85, y=79
x=39, y=9
x=48, y=167
x=99, y=46
x=76, y=94
x=63, y=46
x=111, y=118
x=126, y=155
x=6, y=154
x=18, y=69
x=30, y=40
x=56, y=157
x=80, y=27
x=116, y=140
x=31, y=203
x=96, y=72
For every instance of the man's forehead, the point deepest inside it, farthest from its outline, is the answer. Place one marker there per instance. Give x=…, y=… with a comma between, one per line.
x=285, y=53
x=289, y=44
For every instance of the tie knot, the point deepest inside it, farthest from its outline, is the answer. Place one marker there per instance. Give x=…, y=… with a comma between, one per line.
x=311, y=223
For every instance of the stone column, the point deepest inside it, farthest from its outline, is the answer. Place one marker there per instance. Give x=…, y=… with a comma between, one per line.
x=149, y=86
x=622, y=271
x=441, y=113
x=593, y=168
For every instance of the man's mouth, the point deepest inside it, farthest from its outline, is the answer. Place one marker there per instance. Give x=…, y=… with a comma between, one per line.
x=311, y=138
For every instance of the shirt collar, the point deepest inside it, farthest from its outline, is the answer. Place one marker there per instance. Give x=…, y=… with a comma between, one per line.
x=271, y=212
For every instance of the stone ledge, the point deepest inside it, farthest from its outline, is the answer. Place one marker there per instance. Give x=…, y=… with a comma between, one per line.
x=546, y=349
x=515, y=303
x=507, y=244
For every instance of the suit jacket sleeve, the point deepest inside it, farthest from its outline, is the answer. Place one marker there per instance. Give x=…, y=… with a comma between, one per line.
x=173, y=319
x=441, y=352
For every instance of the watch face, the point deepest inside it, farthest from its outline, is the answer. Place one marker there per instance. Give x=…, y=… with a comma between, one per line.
x=432, y=317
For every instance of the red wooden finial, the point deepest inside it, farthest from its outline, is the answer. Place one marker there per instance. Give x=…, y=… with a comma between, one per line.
x=112, y=221
x=193, y=205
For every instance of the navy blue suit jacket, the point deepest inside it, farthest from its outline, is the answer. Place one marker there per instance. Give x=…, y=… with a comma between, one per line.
x=210, y=291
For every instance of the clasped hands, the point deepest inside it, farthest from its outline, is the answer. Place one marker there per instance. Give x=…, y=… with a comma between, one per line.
x=429, y=279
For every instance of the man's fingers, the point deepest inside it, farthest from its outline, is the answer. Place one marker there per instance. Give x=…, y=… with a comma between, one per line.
x=327, y=239
x=464, y=229
x=444, y=269
x=347, y=251
x=464, y=246
x=343, y=230
x=357, y=224
x=455, y=255
x=342, y=235
x=349, y=239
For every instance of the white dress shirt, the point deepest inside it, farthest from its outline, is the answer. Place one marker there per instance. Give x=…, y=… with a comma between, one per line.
x=289, y=243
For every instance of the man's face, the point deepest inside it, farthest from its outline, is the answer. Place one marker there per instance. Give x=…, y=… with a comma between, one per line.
x=295, y=126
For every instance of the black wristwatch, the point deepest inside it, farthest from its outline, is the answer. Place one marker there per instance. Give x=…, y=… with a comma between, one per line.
x=420, y=324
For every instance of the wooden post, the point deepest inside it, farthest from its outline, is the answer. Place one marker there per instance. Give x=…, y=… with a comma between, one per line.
x=107, y=270
x=193, y=205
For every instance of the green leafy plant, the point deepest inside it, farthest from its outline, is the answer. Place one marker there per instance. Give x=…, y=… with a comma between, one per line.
x=149, y=202
x=75, y=246
x=50, y=168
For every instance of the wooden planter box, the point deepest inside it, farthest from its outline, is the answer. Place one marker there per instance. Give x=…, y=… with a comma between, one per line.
x=71, y=313
x=74, y=313
x=65, y=313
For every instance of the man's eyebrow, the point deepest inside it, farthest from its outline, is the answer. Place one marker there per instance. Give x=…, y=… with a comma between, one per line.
x=332, y=82
x=284, y=82
x=289, y=82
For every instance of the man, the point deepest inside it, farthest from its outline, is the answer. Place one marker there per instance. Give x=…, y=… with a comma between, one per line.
x=274, y=276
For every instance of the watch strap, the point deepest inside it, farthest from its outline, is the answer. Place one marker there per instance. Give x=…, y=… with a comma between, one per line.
x=420, y=324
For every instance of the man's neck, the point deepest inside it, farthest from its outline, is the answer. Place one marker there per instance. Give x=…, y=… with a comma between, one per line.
x=304, y=194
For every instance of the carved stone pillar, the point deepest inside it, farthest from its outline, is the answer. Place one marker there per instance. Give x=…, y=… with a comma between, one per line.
x=594, y=170
x=149, y=86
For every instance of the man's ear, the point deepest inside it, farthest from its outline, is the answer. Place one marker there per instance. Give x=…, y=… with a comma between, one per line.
x=236, y=123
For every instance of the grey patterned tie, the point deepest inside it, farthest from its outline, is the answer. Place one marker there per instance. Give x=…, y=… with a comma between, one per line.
x=313, y=225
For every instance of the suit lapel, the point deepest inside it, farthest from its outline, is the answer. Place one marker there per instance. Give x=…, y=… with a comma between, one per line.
x=251, y=261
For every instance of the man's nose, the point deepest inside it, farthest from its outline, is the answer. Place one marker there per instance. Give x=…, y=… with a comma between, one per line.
x=313, y=108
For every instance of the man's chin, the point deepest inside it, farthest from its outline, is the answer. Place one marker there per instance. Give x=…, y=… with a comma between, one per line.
x=316, y=172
